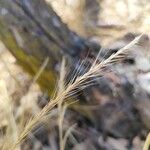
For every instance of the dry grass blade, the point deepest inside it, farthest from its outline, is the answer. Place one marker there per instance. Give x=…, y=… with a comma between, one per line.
x=43, y=66
x=147, y=143
x=11, y=132
x=67, y=134
x=61, y=107
x=94, y=71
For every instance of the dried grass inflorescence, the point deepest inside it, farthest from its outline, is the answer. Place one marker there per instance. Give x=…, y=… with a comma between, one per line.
x=66, y=91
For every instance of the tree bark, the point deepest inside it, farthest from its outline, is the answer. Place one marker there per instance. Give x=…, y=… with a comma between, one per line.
x=32, y=31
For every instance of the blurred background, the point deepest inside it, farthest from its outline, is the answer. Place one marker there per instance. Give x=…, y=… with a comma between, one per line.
x=114, y=114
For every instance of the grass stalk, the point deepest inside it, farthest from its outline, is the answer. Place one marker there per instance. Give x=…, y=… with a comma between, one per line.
x=72, y=87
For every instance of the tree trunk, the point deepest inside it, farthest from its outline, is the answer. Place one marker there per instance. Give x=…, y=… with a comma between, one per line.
x=32, y=31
